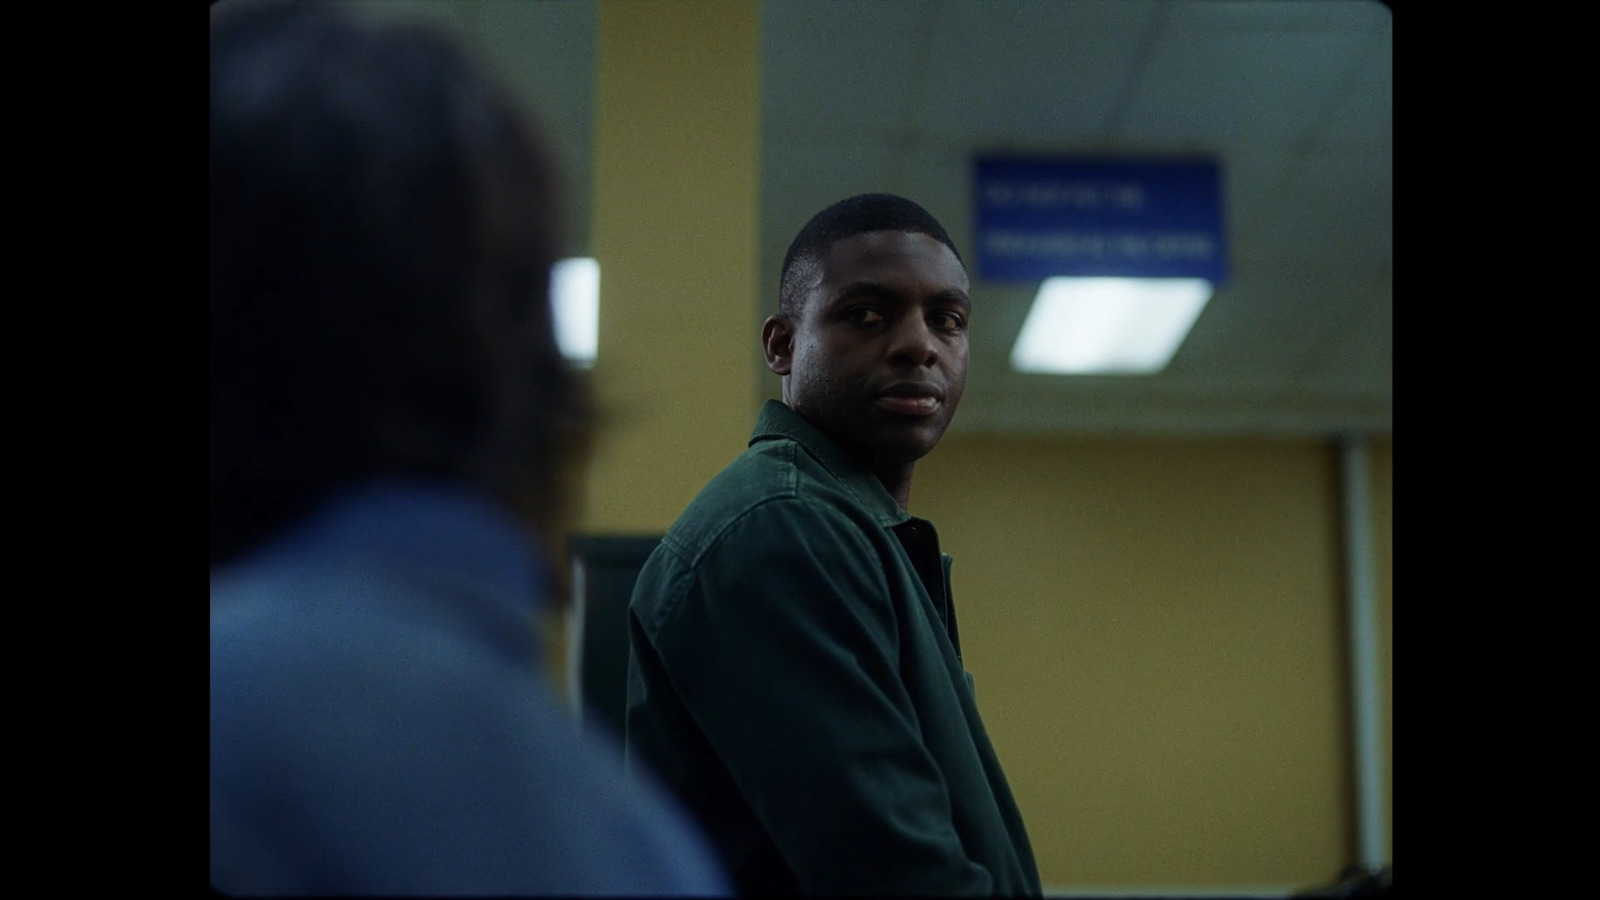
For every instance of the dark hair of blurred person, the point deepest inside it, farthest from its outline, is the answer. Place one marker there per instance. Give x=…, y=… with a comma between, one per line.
x=392, y=435
x=383, y=224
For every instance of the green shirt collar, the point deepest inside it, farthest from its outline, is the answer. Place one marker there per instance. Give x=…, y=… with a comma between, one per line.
x=777, y=420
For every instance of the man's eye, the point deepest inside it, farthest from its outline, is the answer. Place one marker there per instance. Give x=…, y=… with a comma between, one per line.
x=863, y=315
x=948, y=321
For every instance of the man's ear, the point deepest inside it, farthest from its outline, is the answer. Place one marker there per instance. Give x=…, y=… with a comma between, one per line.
x=777, y=340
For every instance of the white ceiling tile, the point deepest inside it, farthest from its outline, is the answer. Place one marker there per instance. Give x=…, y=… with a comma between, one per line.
x=1212, y=88
x=1363, y=114
x=1278, y=16
x=1333, y=210
x=836, y=69
x=1028, y=72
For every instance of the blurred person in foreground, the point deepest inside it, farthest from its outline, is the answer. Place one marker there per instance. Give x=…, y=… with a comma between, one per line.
x=795, y=668
x=392, y=435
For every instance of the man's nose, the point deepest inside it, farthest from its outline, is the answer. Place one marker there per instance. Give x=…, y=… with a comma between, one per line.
x=913, y=343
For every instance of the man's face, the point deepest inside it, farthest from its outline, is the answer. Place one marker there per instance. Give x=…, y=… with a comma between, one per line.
x=877, y=358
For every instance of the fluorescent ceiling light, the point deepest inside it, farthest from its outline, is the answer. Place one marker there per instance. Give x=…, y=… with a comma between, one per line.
x=575, y=301
x=1125, y=326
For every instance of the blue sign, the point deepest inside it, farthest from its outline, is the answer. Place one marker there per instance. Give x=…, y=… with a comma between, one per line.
x=1038, y=218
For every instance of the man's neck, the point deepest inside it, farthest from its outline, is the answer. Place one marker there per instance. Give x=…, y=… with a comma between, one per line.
x=897, y=480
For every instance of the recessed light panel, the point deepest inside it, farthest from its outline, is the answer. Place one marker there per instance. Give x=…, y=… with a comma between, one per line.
x=1121, y=326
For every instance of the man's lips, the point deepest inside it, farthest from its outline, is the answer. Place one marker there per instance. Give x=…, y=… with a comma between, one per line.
x=910, y=399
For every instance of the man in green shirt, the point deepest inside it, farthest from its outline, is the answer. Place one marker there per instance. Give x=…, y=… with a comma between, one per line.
x=795, y=669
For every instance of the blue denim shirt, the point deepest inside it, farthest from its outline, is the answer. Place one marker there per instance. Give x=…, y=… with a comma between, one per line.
x=380, y=722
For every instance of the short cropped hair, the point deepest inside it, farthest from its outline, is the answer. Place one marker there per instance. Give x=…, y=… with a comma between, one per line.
x=383, y=221
x=847, y=218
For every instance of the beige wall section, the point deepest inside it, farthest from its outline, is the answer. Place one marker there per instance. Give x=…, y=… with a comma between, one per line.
x=1156, y=636
x=674, y=227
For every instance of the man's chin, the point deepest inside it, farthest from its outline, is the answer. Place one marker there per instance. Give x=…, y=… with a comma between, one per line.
x=905, y=447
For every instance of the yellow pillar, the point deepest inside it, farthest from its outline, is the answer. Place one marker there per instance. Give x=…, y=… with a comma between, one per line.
x=674, y=227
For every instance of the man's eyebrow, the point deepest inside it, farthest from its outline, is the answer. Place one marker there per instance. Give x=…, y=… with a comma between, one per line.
x=959, y=298
x=856, y=290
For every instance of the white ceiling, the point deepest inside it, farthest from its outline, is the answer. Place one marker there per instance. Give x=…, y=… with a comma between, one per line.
x=1292, y=97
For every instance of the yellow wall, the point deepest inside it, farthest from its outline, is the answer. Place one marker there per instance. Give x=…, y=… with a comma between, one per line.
x=1156, y=634
x=674, y=227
